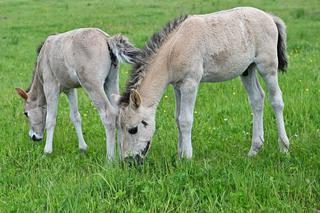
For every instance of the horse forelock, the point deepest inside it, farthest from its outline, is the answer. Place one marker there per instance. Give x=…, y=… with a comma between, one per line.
x=142, y=60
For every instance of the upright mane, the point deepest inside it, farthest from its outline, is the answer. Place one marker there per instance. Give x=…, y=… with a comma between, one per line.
x=35, y=66
x=142, y=59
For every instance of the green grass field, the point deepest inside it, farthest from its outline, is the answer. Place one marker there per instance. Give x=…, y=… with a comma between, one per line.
x=220, y=177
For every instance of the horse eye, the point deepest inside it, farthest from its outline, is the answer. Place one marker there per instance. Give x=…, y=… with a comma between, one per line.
x=144, y=123
x=133, y=130
x=26, y=114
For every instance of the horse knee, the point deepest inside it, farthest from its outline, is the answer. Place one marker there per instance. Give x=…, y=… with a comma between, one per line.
x=50, y=124
x=185, y=124
x=277, y=103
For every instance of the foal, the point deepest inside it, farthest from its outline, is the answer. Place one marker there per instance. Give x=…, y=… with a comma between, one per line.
x=85, y=57
x=204, y=48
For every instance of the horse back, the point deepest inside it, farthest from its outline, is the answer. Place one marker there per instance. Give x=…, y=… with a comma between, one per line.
x=74, y=55
x=223, y=43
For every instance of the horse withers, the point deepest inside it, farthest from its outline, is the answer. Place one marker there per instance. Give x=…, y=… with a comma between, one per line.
x=87, y=58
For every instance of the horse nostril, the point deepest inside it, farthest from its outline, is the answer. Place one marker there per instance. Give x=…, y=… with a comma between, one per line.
x=34, y=138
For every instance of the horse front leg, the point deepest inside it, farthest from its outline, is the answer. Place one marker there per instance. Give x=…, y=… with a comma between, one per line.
x=177, y=113
x=52, y=93
x=187, y=92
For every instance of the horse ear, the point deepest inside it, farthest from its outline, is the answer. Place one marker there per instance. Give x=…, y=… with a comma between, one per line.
x=135, y=99
x=22, y=93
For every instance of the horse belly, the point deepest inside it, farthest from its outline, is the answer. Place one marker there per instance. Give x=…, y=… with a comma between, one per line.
x=224, y=69
x=219, y=76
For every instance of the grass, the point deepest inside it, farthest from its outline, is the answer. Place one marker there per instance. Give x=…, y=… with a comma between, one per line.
x=220, y=177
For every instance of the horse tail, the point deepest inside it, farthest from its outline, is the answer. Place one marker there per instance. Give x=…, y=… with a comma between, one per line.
x=281, y=46
x=123, y=50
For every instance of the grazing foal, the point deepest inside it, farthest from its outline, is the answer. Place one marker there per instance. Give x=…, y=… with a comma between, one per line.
x=204, y=48
x=85, y=57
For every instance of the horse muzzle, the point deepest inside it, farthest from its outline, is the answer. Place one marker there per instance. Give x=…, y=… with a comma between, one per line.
x=138, y=158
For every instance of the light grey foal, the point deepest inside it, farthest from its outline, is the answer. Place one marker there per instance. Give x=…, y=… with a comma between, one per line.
x=204, y=48
x=85, y=57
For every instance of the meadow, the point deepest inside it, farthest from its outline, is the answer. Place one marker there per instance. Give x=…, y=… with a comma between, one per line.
x=220, y=177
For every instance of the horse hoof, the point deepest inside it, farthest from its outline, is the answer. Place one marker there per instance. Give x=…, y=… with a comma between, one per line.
x=284, y=146
x=47, y=152
x=284, y=150
x=255, y=148
x=252, y=153
x=83, y=149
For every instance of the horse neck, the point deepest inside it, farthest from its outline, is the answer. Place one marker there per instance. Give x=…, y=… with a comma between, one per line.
x=36, y=93
x=154, y=84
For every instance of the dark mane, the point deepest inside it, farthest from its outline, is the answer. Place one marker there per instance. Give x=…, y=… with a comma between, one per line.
x=143, y=58
x=35, y=65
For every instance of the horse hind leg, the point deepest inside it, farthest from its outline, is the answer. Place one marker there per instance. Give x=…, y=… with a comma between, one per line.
x=94, y=87
x=269, y=71
x=111, y=88
x=76, y=118
x=111, y=85
x=256, y=99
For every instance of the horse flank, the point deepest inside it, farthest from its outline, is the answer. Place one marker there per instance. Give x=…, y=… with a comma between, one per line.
x=142, y=59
